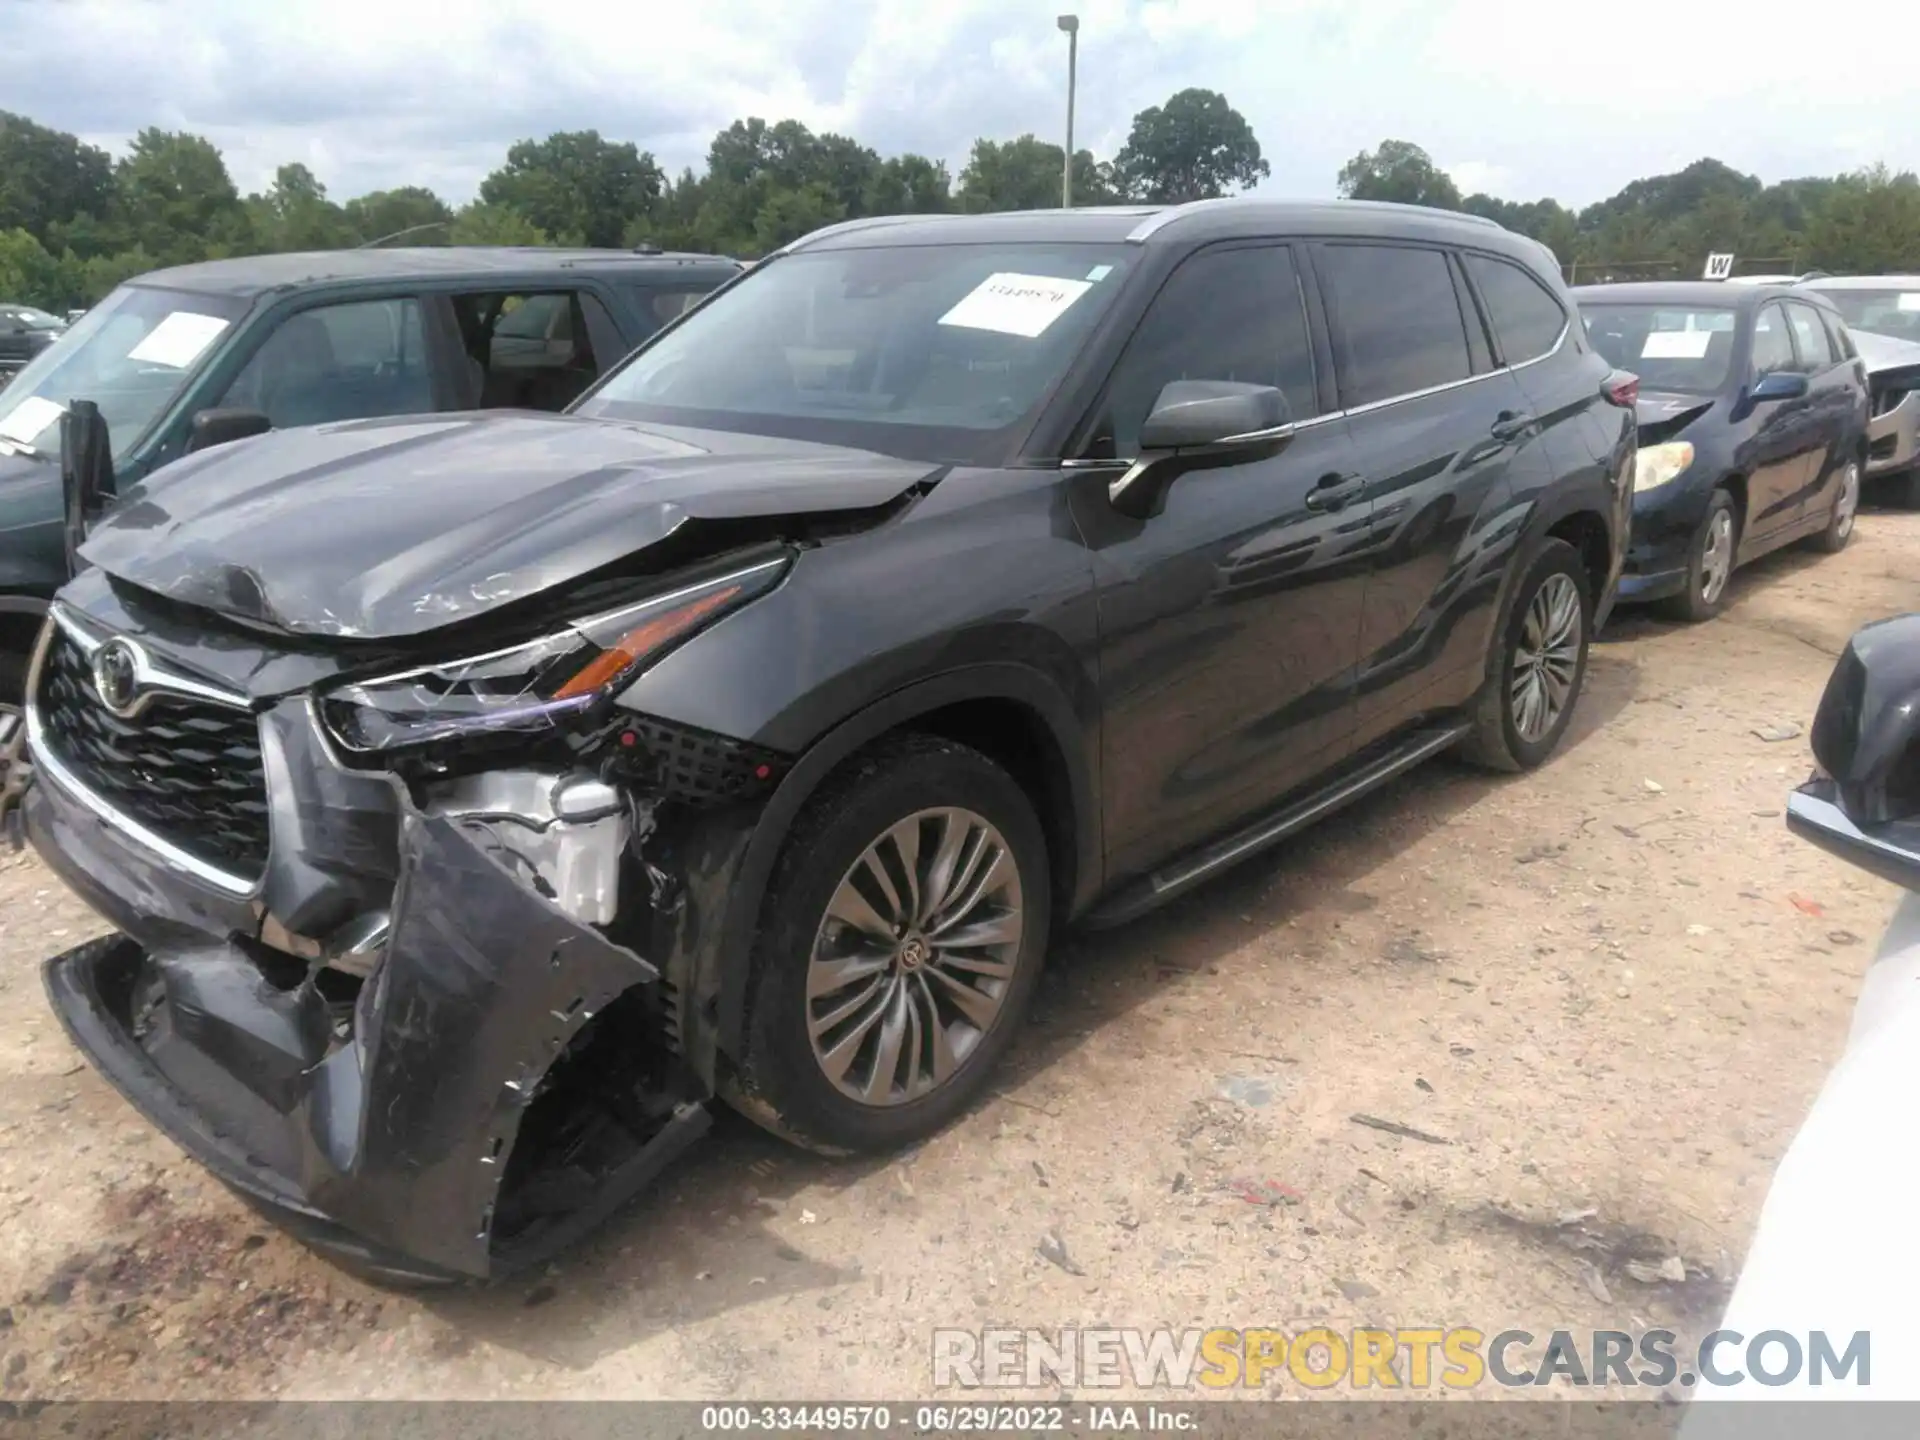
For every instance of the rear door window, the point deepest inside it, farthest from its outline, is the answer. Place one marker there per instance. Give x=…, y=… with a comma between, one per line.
x=1398, y=315
x=1226, y=314
x=1810, y=338
x=339, y=362
x=528, y=351
x=1527, y=319
x=661, y=305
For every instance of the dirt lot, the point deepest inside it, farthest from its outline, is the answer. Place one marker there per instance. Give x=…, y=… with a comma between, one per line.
x=1611, y=988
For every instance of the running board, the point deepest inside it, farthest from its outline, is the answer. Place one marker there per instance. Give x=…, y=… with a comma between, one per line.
x=1136, y=899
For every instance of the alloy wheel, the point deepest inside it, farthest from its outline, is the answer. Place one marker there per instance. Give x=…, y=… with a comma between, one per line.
x=1547, y=659
x=915, y=956
x=1716, y=559
x=1846, y=504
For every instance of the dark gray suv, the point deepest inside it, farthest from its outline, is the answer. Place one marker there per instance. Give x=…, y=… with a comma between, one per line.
x=477, y=797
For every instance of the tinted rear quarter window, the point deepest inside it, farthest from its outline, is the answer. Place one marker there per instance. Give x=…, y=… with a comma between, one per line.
x=1400, y=317
x=1816, y=351
x=1234, y=314
x=1527, y=320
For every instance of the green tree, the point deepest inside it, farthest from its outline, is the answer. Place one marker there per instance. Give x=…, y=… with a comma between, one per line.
x=909, y=185
x=576, y=186
x=789, y=214
x=381, y=213
x=1194, y=147
x=484, y=224
x=1024, y=174
x=1399, y=171
x=1870, y=223
x=295, y=214
x=49, y=178
x=177, y=200
x=28, y=274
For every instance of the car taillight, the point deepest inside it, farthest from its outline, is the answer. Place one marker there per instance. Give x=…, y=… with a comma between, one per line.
x=1621, y=389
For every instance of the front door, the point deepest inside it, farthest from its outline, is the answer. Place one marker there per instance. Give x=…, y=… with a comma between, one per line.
x=1229, y=623
x=1832, y=410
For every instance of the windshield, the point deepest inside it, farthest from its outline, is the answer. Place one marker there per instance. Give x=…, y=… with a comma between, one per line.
x=929, y=352
x=1688, y=349
x=1885, y=312
x=131, y=355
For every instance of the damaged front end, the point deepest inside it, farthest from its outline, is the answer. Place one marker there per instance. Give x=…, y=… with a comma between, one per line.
x=400, y=954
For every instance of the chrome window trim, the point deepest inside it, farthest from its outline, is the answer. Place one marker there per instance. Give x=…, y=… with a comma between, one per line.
x=47, y=765
x=1371, y=405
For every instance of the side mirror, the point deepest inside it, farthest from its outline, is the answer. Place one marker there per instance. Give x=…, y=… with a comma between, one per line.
x=217, y=427
x=1199, y=425
x=1779, y=385
x=1864, y=805
x=86, y=473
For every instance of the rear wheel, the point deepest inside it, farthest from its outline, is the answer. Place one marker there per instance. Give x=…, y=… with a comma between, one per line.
x=1846, y=505
x=905, y=930
x=1534, y=684
x=1710, y=561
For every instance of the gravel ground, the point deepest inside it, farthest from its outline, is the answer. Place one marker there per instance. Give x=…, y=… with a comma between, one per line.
x=1603, y=993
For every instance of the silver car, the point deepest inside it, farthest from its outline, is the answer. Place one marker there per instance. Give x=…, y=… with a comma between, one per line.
x=1883, y=312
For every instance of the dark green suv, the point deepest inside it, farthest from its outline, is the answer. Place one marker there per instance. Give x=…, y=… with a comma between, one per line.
x=284, y=340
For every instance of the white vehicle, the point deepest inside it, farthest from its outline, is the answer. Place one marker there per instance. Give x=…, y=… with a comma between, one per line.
x=1836, y=1249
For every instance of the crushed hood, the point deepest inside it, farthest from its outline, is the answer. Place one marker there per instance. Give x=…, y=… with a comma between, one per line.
x=1663, y=414
x=1892, y=363
x=390, y=528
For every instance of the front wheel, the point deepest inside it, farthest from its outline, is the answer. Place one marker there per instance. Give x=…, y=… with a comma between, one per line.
x=904, y=932
x=1710, y=560
x=1534, y=682
x=1846, y=505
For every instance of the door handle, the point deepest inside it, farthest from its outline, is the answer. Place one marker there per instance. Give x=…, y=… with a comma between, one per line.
x=1334, y=492
x=1510, y=425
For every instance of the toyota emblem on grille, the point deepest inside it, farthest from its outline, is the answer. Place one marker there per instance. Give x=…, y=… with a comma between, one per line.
x=116, y=677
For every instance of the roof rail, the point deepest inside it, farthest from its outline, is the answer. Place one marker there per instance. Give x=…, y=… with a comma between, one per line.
x=849, y=227
x=1160, y=219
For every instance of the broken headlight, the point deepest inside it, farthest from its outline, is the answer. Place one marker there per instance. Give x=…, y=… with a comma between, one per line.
x=538, y=685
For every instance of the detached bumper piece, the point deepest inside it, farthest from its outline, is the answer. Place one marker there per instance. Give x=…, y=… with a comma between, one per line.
x=487, y=1094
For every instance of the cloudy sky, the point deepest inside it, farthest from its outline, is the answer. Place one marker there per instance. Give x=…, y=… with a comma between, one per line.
x=1552, y=98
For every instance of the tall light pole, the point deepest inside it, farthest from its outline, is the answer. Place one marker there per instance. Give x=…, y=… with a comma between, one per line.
x=1070, y=24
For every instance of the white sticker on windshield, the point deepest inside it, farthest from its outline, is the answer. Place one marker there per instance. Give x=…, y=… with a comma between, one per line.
x=1015, y=304
x=1676, y=344
x=178, y=340
x=27, y=419
x=1909, y=300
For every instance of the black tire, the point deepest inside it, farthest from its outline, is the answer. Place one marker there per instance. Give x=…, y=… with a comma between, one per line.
x=779, y=1083
x=1901, y=491
x=13, y=677
x=1497, y=741
x=1695, y=603
x=1840, y=519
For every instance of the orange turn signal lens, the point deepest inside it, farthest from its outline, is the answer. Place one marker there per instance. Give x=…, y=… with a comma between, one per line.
x=634, y=646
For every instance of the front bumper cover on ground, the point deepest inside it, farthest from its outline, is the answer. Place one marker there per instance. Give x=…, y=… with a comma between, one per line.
x=381, y=1136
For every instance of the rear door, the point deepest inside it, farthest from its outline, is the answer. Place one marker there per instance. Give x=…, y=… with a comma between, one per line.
x=1435, y=425
x=1229, y=622
x=1833, y=409
x=1777, y=454
x=534, y=347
